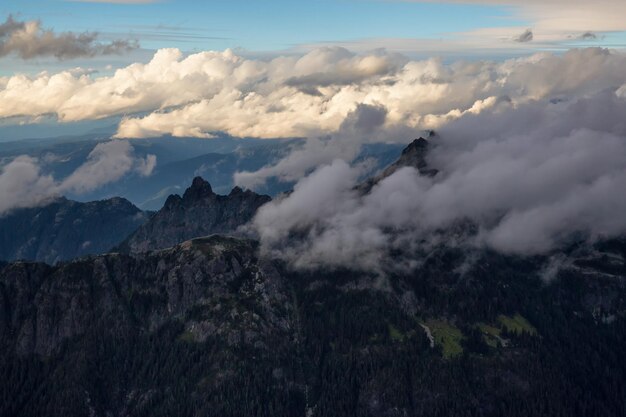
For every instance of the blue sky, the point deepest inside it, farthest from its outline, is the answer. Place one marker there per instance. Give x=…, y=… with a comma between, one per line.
x=261, y=25
x=456, y=28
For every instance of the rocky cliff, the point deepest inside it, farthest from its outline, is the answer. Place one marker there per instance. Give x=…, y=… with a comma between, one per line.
x=199, y=212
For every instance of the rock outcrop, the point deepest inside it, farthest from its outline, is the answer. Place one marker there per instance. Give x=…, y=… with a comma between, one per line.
x=199, y=212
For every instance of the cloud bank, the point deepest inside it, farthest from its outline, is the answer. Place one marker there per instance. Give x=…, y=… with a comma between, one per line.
x=518, y=179
x=531, y=151
x=300, y=96
x=30, y=40
x=23, y=184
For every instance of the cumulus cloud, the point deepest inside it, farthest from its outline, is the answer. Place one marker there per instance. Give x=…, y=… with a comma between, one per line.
x=300, y=96
x=521, y=180
x=108, y=162
x=30, y=40
x=360, y=126
x=23, y=183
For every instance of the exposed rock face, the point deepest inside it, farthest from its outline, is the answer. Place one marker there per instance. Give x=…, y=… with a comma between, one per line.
x=65, y=229
x=199, y=212
x=414, y=155
x=43, y=306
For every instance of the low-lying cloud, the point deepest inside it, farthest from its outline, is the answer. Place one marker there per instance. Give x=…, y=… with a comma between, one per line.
x=527, y=179
x=30, y=40
x=23, y=183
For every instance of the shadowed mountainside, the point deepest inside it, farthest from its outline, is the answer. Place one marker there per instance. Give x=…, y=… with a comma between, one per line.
x=63, y=229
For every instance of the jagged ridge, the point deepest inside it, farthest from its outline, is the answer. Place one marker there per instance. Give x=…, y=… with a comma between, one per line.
x=199, y=212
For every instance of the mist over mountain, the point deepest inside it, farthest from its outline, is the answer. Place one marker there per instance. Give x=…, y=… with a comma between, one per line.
x=378, y=208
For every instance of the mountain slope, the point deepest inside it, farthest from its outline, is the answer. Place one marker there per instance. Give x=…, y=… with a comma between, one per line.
x=199, y=212
x=208, y=328
x=65, y=229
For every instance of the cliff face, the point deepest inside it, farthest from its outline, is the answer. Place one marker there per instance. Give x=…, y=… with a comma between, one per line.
x=199, y=212
x=44, y=306
x=65, y=229
x=207, y=328
x=415, y=155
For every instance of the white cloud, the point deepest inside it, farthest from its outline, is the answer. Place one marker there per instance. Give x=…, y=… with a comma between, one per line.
x=530, y=178
x=22, y=183
x=564, y=16
x=306, y=96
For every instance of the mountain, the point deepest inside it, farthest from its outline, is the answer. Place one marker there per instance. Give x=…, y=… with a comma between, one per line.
x=179, y=160
x=199, y=212
x=209, y=328
x=64, y=229
x=414, y=155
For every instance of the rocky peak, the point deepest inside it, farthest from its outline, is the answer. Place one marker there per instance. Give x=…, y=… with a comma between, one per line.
x=414, y=155
x=200, y=212
x=200, y=189
x=418, y=145
x=236, y=191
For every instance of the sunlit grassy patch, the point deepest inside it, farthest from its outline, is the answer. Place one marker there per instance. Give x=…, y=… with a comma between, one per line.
x=447, y=336
x=491, y=335
x=517, y=324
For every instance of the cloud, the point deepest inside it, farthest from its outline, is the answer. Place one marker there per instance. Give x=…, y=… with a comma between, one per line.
x=588, y=36
x=526, y=36
x=360, y=126
x=23, y=184
x=30, y=40
x=299, y=96
x=518, y=179
x=564, y=16
x=108, y=162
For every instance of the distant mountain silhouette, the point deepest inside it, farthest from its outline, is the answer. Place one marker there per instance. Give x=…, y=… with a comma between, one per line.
x=64, y=229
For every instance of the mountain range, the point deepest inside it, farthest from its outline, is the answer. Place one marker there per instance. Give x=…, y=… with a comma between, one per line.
x=63, y=229
x=209, y=326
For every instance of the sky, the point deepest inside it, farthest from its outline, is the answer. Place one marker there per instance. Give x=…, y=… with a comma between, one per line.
x=453, y=28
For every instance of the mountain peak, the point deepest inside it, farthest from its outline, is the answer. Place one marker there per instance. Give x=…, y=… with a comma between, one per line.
x=236, y=191
x=200, y=188
x=200, y=212
x=418, y=145
x=414, y=155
